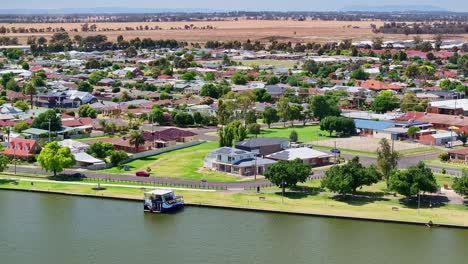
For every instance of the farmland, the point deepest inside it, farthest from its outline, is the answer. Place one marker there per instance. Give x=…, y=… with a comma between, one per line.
x=262, y=30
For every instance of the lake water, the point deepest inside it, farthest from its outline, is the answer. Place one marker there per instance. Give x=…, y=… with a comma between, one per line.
x=54, y=229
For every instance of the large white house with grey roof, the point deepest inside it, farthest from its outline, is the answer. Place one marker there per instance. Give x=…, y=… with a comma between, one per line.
x=236, y=161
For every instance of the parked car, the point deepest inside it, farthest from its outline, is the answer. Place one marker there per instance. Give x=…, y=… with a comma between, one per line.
x=77, y=175
x=142, y=174
x=335, y=151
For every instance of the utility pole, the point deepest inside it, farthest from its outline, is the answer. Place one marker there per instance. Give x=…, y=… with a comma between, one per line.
x=49, y=129
x=335, y=150
x=152, y=130
x=255, y=168
x=419, y=201
x=14, y=156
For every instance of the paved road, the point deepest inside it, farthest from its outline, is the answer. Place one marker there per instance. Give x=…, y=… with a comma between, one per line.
x=408, y=161
x=151, y=180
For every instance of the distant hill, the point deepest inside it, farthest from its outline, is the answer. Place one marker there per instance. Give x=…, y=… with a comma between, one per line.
x=393, y=8
x=100, y=10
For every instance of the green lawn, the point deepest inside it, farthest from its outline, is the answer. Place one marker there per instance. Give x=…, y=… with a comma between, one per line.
x=305, y=133
x=437, y=162
x=184, y=163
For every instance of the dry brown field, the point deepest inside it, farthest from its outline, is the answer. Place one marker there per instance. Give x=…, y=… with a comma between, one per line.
x=263, y=30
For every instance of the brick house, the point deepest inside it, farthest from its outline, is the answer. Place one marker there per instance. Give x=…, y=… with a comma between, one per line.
x=21, y=147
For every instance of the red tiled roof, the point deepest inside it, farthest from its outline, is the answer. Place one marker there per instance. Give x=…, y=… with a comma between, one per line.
x=379, y=85
x=24, y=147
x=170, y=134
x=463, y=151
x=76, y=122
x=411, y=115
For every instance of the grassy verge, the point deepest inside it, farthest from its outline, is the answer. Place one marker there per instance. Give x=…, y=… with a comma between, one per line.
x=347, y=151
x=419, y=151
x=184, y=163
x=295, y=202
x=438, y=163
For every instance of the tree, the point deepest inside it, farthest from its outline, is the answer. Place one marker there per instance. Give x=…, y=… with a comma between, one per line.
x=463, y=137
x=321, y=107
x=310, y=66
x=12, y=85
x=283, y=109
x=460, y=185
x=270, y=115
x=254, y=129
x=183, y=119
x=136, y=139
x=117, y=157
x=87, y=111
x=4, y=161
x=232, y=132
x=43, y=119
x=251, y=117
x=377, y=43
x=239, y=78
x=293, y=136
x=30, y=90
x=295, y=113
x=384, y=102
x=444, y=156
x=412, y=71
x=214, y=91
x=20, y=126
x=197, y=118
x=341, y=125
x=408, y=102
x=349, y=177
x=100, y=150
x=413, y=180
x=261, y=95
x=387, y=159
x=272, y=80
x=412, y=131
x=85, y=86
x=55, y=158
x=359, y=74
x=22, y=106
x=288, y=173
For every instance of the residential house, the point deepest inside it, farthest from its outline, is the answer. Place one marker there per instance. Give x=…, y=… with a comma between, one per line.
x=449, y=107
x=168, y=137
x=123, y=143
x=35, y=133
x=459, y=154
x=263, y=146
x=441, y=139
x=379, y=86
x=236, y=161
x=307, y=155
x=20, y=147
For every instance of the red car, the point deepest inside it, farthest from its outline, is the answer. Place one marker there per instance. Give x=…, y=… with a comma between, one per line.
x=142, y=174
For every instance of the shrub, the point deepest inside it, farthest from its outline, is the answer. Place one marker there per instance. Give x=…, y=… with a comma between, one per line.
x=444, y=157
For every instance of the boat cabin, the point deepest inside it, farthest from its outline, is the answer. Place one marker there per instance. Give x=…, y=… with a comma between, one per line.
x=159, y=201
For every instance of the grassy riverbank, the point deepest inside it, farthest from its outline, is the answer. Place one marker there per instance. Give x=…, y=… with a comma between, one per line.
x=313, y=203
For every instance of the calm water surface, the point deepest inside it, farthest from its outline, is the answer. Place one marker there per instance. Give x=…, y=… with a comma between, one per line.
x=53, y=229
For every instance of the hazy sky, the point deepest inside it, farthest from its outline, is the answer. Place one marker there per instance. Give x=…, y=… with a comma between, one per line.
x=283, y=5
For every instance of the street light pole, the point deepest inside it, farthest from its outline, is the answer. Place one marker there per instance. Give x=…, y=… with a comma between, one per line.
x=49, y=128
x=419, y=201
x=14, y=156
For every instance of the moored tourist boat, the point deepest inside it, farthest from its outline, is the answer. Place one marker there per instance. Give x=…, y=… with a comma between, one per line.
x=160, y=201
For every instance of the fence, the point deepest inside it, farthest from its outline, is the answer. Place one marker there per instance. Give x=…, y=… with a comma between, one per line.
x=157, y=183
x=162, y=150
